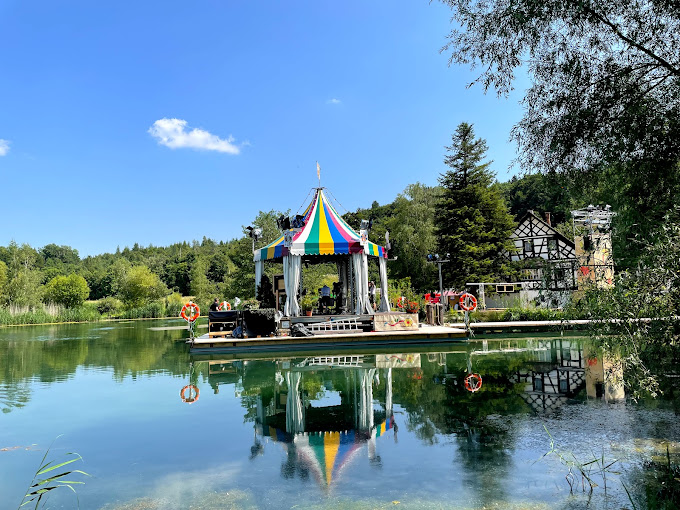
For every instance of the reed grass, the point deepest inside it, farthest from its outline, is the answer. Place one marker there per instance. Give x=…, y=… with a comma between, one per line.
x=45, y=481
x=12, y=316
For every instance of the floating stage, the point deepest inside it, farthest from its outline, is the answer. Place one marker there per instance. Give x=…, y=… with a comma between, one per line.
x=334, y=331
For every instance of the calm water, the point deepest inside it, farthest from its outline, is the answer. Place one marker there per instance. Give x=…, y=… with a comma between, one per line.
x=324, y=430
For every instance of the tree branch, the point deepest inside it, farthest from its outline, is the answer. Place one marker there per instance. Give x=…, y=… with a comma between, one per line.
x=633, y=43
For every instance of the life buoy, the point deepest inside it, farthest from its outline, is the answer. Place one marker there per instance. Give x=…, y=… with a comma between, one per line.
x=465, y=298
x=473, y=382
x=192, y=390
x=226, y=305
x=194, y=312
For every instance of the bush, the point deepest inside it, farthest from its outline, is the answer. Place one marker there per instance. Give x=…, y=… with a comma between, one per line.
x=260, y=322
x=109, y=306
x=70, y=291
x=249, y=304
x=155, y=310
x=174, y=303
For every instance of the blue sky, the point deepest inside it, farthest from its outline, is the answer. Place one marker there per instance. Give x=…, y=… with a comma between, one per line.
x=158, y=122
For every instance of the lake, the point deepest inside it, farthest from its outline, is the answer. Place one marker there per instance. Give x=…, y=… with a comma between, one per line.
x=395, y=428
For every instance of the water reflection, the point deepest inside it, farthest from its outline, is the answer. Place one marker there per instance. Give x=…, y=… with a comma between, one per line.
x=325, y=412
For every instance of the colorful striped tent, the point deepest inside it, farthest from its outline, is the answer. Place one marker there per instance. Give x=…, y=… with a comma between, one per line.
x=327, y=454
x=324, y=233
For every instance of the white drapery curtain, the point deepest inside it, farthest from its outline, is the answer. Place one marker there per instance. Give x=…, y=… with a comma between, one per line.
x=365, y=404
x=259, y=269
x=358, y=294
x=360, y=267
x=342, y=275
x=292, y=265
x=294, y=409
x=388, y=394
x=384, y=298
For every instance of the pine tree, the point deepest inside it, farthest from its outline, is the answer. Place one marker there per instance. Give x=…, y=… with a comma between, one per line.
x=472, y=222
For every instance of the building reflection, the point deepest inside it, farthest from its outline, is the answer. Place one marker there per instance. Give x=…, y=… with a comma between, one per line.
x=327, y=412
x=323, y=411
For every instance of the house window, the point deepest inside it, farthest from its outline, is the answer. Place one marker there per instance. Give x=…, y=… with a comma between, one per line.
x=529, y=247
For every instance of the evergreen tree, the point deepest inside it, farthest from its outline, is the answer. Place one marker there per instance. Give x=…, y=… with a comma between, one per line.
x=265, y=294
x=472, y=222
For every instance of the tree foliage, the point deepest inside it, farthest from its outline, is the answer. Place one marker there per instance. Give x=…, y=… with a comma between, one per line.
x=604, y=100
x=639, y=323
x=69, y=291
x=606, y=75
x=412, y=234
x=140, y=285
x=472, y=222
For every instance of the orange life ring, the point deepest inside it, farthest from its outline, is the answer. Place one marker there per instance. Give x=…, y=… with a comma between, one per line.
x=192, y=316
x=473, y=382
x=189, y=399
x=463, y=302
x=227, y=306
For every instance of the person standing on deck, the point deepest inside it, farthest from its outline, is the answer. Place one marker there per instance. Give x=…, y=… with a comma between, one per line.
x=325, y=297
x=215, y=305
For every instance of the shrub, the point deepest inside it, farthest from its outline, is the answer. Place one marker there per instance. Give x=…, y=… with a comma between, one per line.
x=174, y=303
x=69, y=291
x=261, y=321
x=155, y=310
x=109, y=306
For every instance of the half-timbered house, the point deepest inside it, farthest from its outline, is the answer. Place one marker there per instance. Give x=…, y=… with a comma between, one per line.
x=549, y=258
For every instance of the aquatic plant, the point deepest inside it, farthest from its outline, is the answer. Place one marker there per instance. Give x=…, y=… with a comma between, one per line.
x=587, y=470
x=40, y=487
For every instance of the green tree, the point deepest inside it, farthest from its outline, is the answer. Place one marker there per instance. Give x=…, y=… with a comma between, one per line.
x=606, y=75
x=201, y=288
x=3, y=280
x=265, y=294
x=140, y=286
x=605, y=94
x=70, y=291
x=412, y=235
x=541, y=193
x=24, y=288
x=472, y=222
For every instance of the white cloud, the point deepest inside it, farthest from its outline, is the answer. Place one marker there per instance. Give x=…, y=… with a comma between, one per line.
x=333, y=101
x=174, y=133
x=4, y=147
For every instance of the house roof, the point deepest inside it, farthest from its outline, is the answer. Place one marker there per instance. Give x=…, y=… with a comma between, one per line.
x=543, y=223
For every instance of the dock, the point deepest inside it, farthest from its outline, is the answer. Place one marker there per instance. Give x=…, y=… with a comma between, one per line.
x=337, y=340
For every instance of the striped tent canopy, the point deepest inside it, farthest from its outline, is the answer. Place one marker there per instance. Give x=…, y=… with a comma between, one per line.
x=324, y=233
x=326, y=454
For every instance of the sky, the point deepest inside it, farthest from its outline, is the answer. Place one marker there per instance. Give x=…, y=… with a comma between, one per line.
x=159, y=122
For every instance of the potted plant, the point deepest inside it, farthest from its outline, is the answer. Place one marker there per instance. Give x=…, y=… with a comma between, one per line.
x=307, y=302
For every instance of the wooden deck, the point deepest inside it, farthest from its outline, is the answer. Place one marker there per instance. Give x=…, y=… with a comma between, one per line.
x=424, y=335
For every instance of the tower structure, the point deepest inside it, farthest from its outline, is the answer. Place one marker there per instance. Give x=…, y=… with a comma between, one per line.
x=593, y=246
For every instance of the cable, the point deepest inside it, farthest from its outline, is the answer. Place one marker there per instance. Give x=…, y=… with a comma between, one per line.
x=336, y=200
x=305, y=200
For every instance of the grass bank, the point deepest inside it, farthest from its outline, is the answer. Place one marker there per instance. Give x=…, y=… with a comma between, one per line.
x=105, y=309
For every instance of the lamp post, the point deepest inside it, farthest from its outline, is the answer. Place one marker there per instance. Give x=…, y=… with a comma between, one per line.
x=255, y=233
x=438, y=318
x=439, y=261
